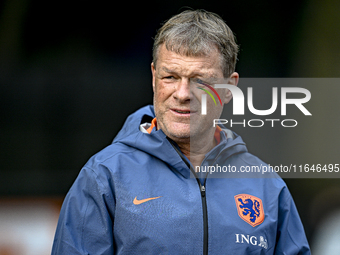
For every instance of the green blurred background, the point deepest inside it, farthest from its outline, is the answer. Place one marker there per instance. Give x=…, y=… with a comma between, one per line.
x=71, y=72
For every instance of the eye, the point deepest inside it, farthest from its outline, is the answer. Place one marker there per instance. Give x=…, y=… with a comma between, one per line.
x=199, y=83
x=169, y=79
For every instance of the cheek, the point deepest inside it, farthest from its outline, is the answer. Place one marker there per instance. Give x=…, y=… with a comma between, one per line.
x=158, y=97
x=159, y=100
x=214, y=111
x=211, y=106
x=163, y=92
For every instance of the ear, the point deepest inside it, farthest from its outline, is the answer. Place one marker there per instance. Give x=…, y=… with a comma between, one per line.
x=153, y=70
x=232, y=80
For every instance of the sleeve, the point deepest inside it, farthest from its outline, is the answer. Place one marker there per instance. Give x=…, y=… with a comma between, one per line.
x=291, y=238
x=85, y=223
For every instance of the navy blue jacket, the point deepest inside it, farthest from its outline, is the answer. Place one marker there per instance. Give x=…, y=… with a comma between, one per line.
x=137, y=196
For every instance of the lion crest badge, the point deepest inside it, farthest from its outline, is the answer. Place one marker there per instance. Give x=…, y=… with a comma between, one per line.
x=250, y=209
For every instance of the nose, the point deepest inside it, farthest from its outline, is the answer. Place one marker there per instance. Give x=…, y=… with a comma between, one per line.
x=182, y=92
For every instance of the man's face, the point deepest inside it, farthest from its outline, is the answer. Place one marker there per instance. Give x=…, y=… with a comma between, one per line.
x=177, y=100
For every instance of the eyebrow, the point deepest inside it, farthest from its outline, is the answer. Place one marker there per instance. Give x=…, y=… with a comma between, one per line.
x=203, y=75
x=167, y=70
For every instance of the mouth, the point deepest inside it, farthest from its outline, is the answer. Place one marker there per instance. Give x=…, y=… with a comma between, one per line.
x=183, y=112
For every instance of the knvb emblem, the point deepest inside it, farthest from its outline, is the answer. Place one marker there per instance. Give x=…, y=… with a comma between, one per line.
x=250, y=209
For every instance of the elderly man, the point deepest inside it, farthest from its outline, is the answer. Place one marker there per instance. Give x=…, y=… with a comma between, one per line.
x=137, y=196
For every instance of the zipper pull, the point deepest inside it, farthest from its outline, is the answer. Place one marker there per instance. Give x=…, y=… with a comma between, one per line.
x=203, y=191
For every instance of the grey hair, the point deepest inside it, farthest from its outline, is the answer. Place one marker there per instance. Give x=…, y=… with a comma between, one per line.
x=198, y=33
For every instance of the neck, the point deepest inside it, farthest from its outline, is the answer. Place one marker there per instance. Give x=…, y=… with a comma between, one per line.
x=196, y=149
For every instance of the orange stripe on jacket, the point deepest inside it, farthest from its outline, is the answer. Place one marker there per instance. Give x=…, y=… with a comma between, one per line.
x=217, y=134
x=153, y=124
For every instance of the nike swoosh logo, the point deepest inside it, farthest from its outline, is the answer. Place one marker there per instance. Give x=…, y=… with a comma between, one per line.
x=138, y=202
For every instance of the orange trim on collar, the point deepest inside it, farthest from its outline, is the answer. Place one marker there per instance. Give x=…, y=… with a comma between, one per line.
x=153, y=124
x=217, y=134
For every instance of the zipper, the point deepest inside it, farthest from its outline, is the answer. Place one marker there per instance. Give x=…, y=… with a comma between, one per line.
x=203, y=198
x=204, y=208
x=205, y=218
x=202, y=189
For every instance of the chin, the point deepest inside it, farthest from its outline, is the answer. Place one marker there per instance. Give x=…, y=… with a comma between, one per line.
x=182, y=138
x=184, y=133
x=178, y=130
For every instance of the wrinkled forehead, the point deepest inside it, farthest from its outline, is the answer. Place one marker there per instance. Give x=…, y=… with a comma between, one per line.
x=208, y=76
x=205, y=66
